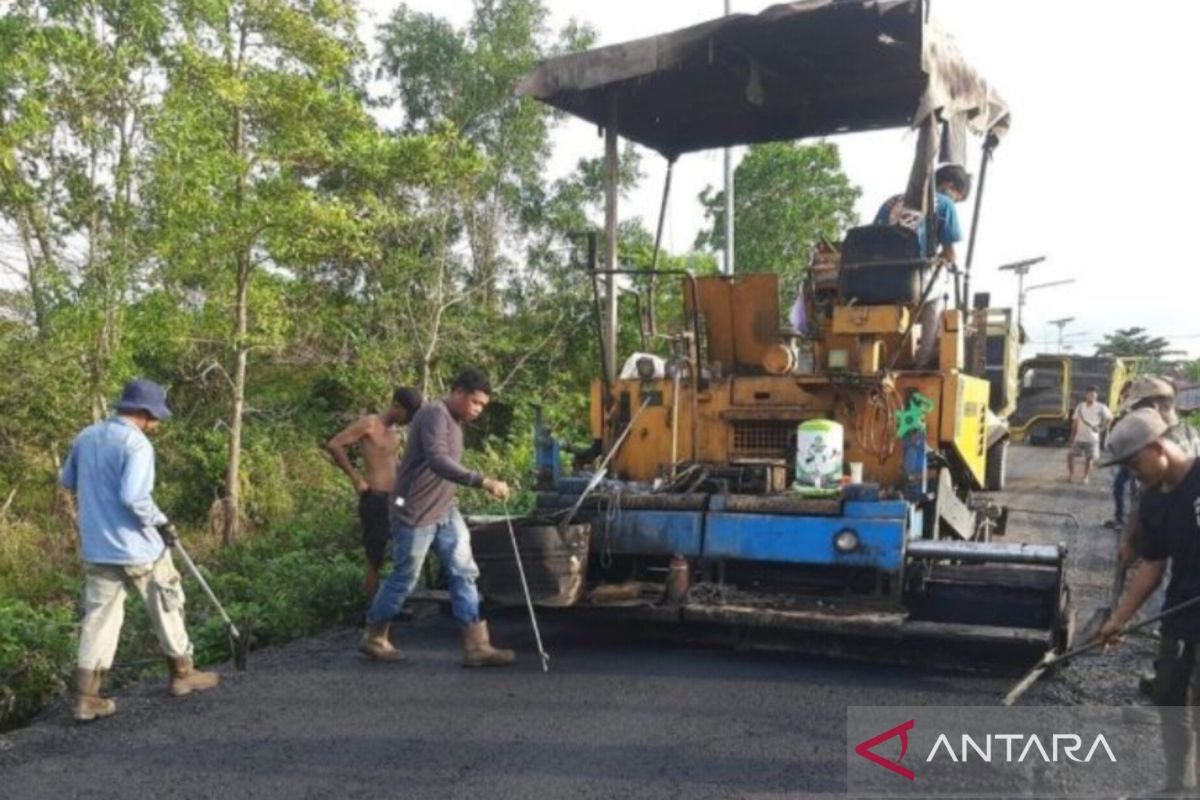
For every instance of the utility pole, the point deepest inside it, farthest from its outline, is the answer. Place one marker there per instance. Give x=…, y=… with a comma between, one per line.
x=612, y=170
x=1035, y=287
x=1021, y=269
x=1061, y=324
x=729, y=262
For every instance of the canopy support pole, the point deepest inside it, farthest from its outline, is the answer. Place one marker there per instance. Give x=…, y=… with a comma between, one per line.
x=651, y=316
x=988, y=146
x=612, y=169
x=729, y=257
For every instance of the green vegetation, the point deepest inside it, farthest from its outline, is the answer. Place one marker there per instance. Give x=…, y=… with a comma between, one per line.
x=202, y=194
x=787, y=197
x=1136, y=343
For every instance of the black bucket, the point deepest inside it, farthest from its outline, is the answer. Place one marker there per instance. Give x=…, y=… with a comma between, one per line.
x=555, y=563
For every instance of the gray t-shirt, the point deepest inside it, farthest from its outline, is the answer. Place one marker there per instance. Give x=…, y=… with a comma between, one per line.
x=430, y=472
x=1093, y=419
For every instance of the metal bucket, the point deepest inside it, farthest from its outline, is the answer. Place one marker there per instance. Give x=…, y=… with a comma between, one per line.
x=555, y=563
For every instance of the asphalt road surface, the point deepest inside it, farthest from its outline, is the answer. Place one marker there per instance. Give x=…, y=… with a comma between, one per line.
x=615, y=718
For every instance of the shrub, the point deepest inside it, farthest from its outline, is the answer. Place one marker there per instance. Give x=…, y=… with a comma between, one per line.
x=36, y=649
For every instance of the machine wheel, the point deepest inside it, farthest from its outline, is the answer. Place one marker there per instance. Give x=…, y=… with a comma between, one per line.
x=996, y=473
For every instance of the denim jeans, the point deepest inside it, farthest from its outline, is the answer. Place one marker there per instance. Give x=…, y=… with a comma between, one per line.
x=1120, y=489
x=452, y=542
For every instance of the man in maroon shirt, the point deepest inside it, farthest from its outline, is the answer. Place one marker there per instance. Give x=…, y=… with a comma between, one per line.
x=424, y=515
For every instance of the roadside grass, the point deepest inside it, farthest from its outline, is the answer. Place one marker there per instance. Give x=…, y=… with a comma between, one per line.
x=296, y=571
x=287, y=581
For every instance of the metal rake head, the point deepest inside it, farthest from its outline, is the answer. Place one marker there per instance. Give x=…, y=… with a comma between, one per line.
x=239, y=645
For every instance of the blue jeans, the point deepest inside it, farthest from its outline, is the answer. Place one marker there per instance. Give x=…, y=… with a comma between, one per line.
x=1120, y=489
x=452, y=542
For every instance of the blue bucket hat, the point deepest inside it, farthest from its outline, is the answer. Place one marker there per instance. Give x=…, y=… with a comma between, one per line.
x=144, y=395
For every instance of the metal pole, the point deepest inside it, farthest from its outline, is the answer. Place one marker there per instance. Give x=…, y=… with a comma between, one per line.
x=1020, y=297
x=729, y=249
x=651, y=315
x=987, y=157
x=662, y=213
x=593, y=246
x=537, y=633
x=612, y=169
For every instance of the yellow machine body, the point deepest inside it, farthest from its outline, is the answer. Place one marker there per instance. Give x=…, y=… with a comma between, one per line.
x=742, y=415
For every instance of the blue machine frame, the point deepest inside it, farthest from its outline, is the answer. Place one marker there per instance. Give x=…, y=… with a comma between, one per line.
x=882, y=528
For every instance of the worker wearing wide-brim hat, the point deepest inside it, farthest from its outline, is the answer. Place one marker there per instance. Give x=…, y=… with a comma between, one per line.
x=1170, y=522
x=125, y=540
x=1157, y=394
x=1153, y=392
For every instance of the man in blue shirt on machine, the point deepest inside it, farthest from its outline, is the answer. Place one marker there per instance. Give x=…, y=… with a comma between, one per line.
x=953, y=186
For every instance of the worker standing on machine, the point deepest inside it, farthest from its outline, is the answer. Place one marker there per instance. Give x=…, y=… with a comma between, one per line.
x=1170, y=523
x=953, y=185
x=424, y=514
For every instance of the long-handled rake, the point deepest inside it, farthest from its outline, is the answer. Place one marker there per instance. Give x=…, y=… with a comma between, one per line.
x=239, y=642
x=537, y=634
x=1051, y=658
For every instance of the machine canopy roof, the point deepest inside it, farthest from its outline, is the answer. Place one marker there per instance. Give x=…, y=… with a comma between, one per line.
x=795, y=70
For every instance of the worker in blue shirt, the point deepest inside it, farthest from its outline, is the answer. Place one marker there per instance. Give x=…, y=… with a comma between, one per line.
x=125, y=540
x=953, y=185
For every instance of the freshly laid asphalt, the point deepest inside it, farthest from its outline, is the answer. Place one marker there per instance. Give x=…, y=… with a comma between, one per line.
x=614, y=718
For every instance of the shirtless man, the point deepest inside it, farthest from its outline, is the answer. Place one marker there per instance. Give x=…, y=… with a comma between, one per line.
x=375, y=434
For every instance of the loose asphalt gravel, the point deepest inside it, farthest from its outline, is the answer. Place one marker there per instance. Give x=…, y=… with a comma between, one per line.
x=614, y=718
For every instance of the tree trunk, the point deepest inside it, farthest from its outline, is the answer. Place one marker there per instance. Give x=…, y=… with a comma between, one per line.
x=97, y=278
x=241, y=354
x=426, y=375
x=233, y=493
x=33, y=277
x=32, y=226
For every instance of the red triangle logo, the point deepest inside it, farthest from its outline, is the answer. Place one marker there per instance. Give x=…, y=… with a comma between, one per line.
x=864, y=749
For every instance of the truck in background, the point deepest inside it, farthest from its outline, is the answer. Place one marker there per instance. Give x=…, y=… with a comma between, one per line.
x=1051, y=386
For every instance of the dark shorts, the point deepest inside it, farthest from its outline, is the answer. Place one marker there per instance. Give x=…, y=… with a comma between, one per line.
x=1176, y=673
x=376, y=526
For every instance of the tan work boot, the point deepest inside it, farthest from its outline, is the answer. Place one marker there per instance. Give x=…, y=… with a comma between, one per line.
x=186, y=679
x=89, y=705
x=376, y=644
x=478, y=650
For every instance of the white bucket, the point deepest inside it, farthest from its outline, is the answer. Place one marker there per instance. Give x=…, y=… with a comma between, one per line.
x=819, y=455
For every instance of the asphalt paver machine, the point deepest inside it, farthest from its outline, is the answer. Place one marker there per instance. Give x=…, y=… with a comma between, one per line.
x=815, y=481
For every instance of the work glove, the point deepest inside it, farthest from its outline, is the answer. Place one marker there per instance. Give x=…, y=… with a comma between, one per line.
x=169, y=533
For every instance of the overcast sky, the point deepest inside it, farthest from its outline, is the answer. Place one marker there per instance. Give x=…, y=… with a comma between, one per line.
x=1099, y=173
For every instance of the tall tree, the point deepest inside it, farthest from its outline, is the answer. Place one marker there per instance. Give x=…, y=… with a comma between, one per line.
x=1135, y=343
x=261, y=100
x=466, y=78
x=787, y=197
x=77, y=82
